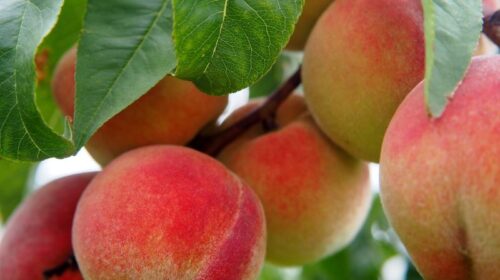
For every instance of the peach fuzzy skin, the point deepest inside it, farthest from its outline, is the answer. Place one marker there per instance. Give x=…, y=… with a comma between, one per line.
x=310, y=13
x=315, y=196
x=362, y=58
x=440, y=178
x=172, y=112
x=168, y=212
x=38, y=236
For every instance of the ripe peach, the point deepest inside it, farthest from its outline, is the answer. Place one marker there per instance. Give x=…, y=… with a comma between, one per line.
x=172, y=112
x=315, y=196
x=362, y=58
x=38, y=235
x=168, y=212
x=440, y=178
x=310, y=13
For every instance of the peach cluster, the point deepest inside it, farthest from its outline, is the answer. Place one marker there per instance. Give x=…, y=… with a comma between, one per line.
x=159, y=210
x=291, y=189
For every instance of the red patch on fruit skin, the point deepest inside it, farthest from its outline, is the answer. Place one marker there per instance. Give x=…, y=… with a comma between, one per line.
x=404, y=134
x=157, y=212
x=305, y=183
x=440, y=178
x=290, y=151
x=238, y=257
x=380, y=50
x=38, y=236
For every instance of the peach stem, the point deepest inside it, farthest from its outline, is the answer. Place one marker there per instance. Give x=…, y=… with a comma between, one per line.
x=491, y=27
x=214, y=143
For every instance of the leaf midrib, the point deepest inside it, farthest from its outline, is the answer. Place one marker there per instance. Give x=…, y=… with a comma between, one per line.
x=14, y=76
x=224, y=15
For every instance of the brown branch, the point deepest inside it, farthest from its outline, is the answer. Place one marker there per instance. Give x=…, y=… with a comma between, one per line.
x=213, y=144
x=69, y=264
x=491, y=27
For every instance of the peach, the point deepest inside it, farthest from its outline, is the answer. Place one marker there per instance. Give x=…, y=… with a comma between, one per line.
x=38, y=235
x=440, y=178
x=362, y=58
x=311, y=11
x=168, y=212
x=315, y=196
x=172, y=112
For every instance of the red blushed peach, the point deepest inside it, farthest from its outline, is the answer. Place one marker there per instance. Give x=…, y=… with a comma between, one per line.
x=168, y=212
x=38, y=235
x=172, y=112
x=440, y=178
x=315, y=196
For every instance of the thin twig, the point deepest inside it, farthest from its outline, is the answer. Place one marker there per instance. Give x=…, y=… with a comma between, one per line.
x=213, y=144
x=491, y=27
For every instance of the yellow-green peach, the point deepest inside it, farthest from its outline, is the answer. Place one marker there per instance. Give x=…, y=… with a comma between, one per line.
x=310, y=13
x=362, y=58
x=315, y=195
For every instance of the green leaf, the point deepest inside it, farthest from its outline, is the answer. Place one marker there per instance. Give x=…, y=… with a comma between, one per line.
x=125, y=49
x=452, y=30
x=62, y=37
x=286, y=64
x=227, y=45
x=23, y=133
x=14, y=178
